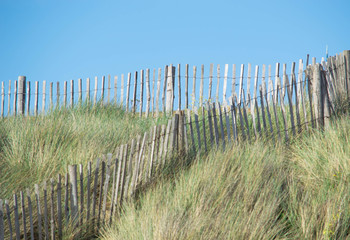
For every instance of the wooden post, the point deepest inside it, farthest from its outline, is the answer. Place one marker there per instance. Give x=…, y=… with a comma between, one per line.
x=57, y=94
x=135, y=91
x=109, y=88
x=346, y=54
x=9, y=100
x=59, y=206
x=23, y=215
x=65, y=94
x=2, y=232
x=217, y=83
x=179, y=86
x=30, y=209
x=148, y=92
x=38, y=207
x=165, y=89
x=71, y=93
x=116, y=89
x=8, y=213
x=28, y=98
x=224, y=102
x=44, y=97
x=21, y=94
x=141, y=92
x=101, y=194
x=15, y=208
x=240, y=85
x=194, y=87
x=128, y=91
x=317, y=96
x=170, y=90
x=2, y=98
x=51, y=95
x=87, y=95
x=210, y=81
x=233, y=89
x=15, y=99
x=52, y=221
x=153, y=92
x=248, y=85
x=204, y=129
x=46, y=224
x=122, y=91
x=102, y=89
x=72, y=170
x=201, y=87
x=80, y=96
x=158, y=91
x=95, y=91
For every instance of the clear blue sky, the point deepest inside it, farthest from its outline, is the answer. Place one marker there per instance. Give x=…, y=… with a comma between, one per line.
x=63, y=40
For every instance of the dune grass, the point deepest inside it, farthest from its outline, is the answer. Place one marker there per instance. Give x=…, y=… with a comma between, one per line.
x=34, y=149
x=252, y=191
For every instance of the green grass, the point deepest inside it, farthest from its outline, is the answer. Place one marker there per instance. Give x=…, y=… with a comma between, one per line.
x=34, y=149
x=252, y=191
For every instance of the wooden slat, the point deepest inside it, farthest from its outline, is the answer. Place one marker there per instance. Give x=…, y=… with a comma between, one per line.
x=225, y=86
x=2, y=232
x=268, y=107
x=186, y=87
x=210, y=81
x=241, y=121
x=161, y=142
x=123, y=173
x=274, y=102
x=148, y=92
x=38, y=207
x=94, y=193
x=109, y=89
x=103, y=169
x=128, y=169
x=66, y=198
x=87, y=94
x=135, y=91
x=28, y=99
x=128, y=91
x=141, y=92
x=88, y=197
x=8, y=213
x=152, y=153
x=217, y=83
x=262, y=105
x=46, y=217
x=30, y=210
x=283, y=114
x=291, y=105
x=191, y=130
x=65, y=94
x=166, y=140
x=198, y=131
x=102, y=89
x=221, y=127
x=204, y=130
x=248, y=97
x=164, y=89
x=117, y=186
x=138, y=165
x=210, y=124
x=122, y=91
x=23, y=215
x=153, y=109
x=59, y=207
x=52, y=221
x=233, y=88
x=113, y=190
x=95, y=90
x=9, y=99
x=115, y=90
x=81, y=179
x=240, y=85
x=194, y=87
x=201, y=87
x=179, y=86
x=228, y=131
x=245, y=116
x=15, y=99
x=51, y=94
x=71, y=93
x=158, y=91
x=72, y=170
x=216, y=131
x=80, y=91
x=234, y=119
x=15, y=209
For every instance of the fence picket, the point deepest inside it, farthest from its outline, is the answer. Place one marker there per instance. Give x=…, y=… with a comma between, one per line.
x=201, y=87
x=46, y=217
x=59, y=207
x=225, y=86
x=23, y=215
x=52, y=221
x=115, y=90
x=217, y=83
x=30, y=210
x=2, y=232
x=194, y=87
x=65, y=94
x=128, y=91
x=216, y=131
x=103, y=169
x=210, y=81
x=221, y=127
x=38, y=207
x=141, y=92
x=198, y=131
x=28, y=100
x=135, y=91
x=179, y=86
x=158, y=91
x=204, y=129
x=8, y=213
x=148, y=91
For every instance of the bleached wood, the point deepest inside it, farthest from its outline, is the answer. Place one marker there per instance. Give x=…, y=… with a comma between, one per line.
x=210, y=81
x=103, y=169
x=245, y=116
x=204, y=130
x=72, y=93
x=119, y=173
x=233, y=88
x=153, y=109
x=30, y=210
x=128, y=170
x=262, y=105
x=115, y=90
x=65, y=94
x=94, y=193
x=128, y=92
x=161, y=143
x=66, y=197
x=102, y=89
x=80, y=91
x=111, y=210
x=2, y=99
x=9, y=99
x=198, y=132
x=122, y=91
x=88, y=197
x=216, y=130
x=38, y=207
x=59, y=206
x=141, y=92
x=201, y=87
x=191, y=130
x=23, y=215
x=221, y=126
x=234, y=118
x=52, y=207
x=28, y=98
x=228, y=131
x=170, y=90
x=248, y=96
x=186, y=87
x=15, y=99
x=46, y=217
x=194, y=87
x=21, y=94
x=109, y=88
x=179, y=86
x=210, y=124
x=158, y=91
x=135, y=91
x=148, y=92
x=43, y=97
x=123, y=173
x=241, y=85
x=72, y=170
x=87, y=94
x=134, y=182
x=166, y=140
x=150, y=169
x=165, y=89
x=217, y=82
x=225, y=86
x=81, y=180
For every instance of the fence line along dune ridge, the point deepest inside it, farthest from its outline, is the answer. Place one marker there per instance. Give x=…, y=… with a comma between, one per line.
x=276, y=107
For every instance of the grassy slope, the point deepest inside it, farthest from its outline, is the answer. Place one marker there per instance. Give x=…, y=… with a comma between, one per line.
x=34, y=149
x=254, y=191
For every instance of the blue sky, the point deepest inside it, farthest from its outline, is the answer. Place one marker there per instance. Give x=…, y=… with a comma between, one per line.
x=64, y=40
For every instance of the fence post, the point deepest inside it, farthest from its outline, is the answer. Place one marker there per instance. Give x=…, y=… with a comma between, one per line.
x=21, y=94
x=317, y=95
x=346, y=54
x=170, y=90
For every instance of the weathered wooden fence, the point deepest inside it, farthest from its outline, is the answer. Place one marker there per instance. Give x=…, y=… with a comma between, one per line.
x=88, y=197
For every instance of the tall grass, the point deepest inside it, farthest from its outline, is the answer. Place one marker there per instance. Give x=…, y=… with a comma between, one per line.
x=34, y=149
x=252, y=191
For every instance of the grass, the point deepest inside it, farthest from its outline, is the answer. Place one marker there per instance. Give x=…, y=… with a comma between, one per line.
x=34, y=149
x=252, y=191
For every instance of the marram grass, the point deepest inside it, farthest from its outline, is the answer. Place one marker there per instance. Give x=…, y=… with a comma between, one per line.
x=252, y=191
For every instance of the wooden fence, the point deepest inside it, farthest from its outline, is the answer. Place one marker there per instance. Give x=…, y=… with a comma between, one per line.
x=88, y=197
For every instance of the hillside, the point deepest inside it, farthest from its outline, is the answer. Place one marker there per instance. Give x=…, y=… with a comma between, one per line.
x=253, y=191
